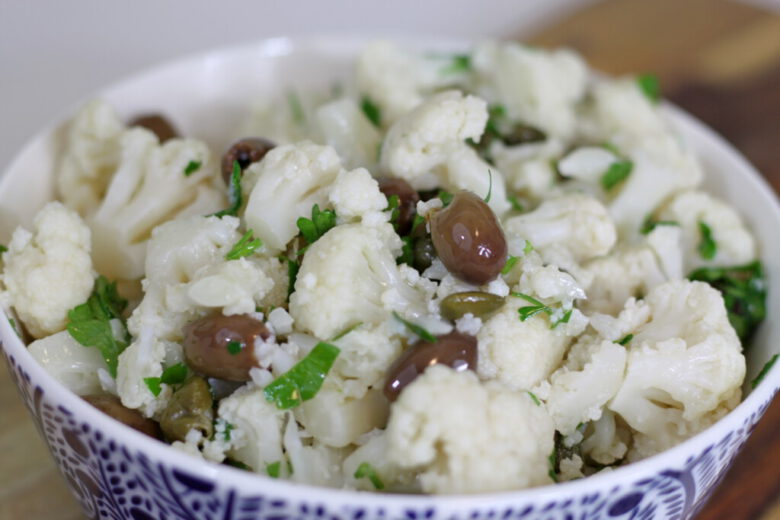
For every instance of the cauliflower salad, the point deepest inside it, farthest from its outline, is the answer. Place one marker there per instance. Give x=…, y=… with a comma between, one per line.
x=449, y=274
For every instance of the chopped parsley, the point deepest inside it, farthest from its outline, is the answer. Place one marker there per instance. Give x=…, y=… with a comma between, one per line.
x=234, y=347
x=90, y=322
x=407, y=251
x=12, y=322
x=528, y=247
x=346, y=331
x=565, y=319
x=552, y=461
x=234, y=193
x=764, y=371
x=445, y=197
x=459, y=63
x=616, y=173
x=3, y=249
x=366, y=470
x=533, y=397
x=192, y=167
x=274, y=469
x=293, y=266
x=372, y=112
x=245, y=246
x=650, y=87
x=416, y=329
x=304, y=379
x=490, y=186
x=532, y=310
x=707, y=246
x=418, y=220
x=510, y=263
x=296, y=108
x=626, y=339
x=393, y=203
x=173, y=375
x=237, y=464
x=319, y=223
x=650, y=224
x=515, y=203
x=223, y=428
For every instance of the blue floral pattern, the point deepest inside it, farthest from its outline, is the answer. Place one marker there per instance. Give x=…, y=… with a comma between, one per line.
x=112, y=482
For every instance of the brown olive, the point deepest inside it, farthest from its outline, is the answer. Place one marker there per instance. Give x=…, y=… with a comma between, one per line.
x=223, y=346
x=407, y=202
x=113, y=407
x=156, y=123
x=455, y=350
x=245, y=151
x=480, y=304
x=190, y=408
x=468, y=239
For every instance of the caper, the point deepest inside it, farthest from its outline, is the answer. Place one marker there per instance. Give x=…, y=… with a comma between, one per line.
x=190, y=408
x=407, y=202
x=455, y=350
x=157, y=124
x=468, y=239
x=245, y=151
x=523, y=134
x=223, y=346
x=113, y=407
x=424, y=253
x=480, y=304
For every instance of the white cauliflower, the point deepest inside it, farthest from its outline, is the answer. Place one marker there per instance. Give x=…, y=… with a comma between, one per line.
x=528, y=168
x=466, y=170
x=284, y=186
x=374, y=452
x=684, y=366
x=431, y=430
x=346, y=128
x=350, y=276
x=48, y=271
x=535, y=86
x=734, y=243
x=607, y=439
x=587, y=163
x=355, y=194
x=69, y=362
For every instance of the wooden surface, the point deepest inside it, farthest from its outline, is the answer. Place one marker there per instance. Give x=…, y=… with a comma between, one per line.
x=719, y=60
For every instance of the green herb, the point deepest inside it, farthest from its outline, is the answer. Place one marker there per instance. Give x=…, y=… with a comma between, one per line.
x=289, y=467
x=12, y=322
x=153, y=384
x=764, y=371
x=296, y=109
x=304, y=379
x=616, y=173
x=535, y=399
x=228, y=428
x=407, y=251
x=626, y=339
x=319, y=224
x=90, y=322
x=744, y=293
x=515, y=203
x=366, y=470
x=610, y=147
x=3, y=249
x=707, y=246
x=418, y=219
x=445, y=197
x=510, y=263
x=234, y=193
x=346, y=331
x=192, y=167
x=495, y=114
x=274, y=469
x=460, y=63
x=173, y=375
x=372, y=112
x=234, y=347
x=552, y=461
x=245, y=246
x=564, y=319
x=490, y=187
x=649, y=224
x=528, y=247
x=393, y=203
x=237, y=464
x=416, y=329
x=650, y=87
x=292, y=275
x=530, y=311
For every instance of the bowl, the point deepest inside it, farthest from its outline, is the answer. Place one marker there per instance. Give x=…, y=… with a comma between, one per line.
x=118, y=473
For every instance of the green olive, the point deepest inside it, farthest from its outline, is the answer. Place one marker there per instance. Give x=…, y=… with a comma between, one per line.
x=480, y=304
x=424, y=253
x=190, y=407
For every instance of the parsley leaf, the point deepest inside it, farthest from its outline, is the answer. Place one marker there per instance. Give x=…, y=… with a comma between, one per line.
x=552, y=461
x=346, y=331
x=416, y=329
x=649, y=224
x=515, y=203
x=90, y=322
x=3, y=249
x=274, y=469
x=459, y=63
x=234, y=193
x=296, y=109
x=616, y=173
x=535, y=399
x=153, y=384
x=234, y=347
x=707, y=246
x=626, y=339
x=445, y=197
x=531, y=310
x=510, y=263
x=764, y=371
x=528, y=247
x=319, y=224
x=173, y=375
x=407, y=251
x=12, y=322
x=650, y=87
x=304, y=379
x=366, y=470
x=565, y=319
x=292, y=275
x=372, y=112
x=393, y=203
x=237, y=464
x=490, y=187
x=245, y=246
x=192, y=167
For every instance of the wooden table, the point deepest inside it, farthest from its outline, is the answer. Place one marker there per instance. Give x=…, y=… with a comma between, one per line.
x=719, y=60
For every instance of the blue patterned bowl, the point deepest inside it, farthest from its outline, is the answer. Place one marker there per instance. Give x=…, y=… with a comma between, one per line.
x=117, y=473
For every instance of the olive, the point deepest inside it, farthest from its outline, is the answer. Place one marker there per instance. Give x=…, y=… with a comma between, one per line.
x=190, y=408
x=223, y=346
x=113, y=407
x=455, y=350
x=407, y=202
x=424, y=253
x=157, y=124
x=468, y=239
x=522, y=134
x=245, y=151
x=480, y=304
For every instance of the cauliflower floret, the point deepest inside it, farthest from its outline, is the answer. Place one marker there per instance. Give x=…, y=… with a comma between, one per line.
x=465, y=170
x=284, y=186
x=607, y=439
x=431, y=429
x=350, y=276
x=683, y=365
x=375, y=453
x=528, y=168
x=354, y=194
x=537, y=87
x=587, y=163
x=346, y=128
x=577, y=223
x=235, y=286
x=635, y=314
x=49, y=271
x=735, y=244
x=69, y=362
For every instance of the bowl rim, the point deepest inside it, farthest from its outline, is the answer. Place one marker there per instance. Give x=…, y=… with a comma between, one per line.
x=252, y=482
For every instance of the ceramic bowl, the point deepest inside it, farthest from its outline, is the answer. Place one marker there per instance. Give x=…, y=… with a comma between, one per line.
x=118, y=473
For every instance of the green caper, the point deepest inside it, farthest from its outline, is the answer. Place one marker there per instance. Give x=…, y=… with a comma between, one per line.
x=480, y=304
x=424, y=253
x=190, y=408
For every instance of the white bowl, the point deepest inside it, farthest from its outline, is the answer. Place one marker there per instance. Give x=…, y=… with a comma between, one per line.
x=118, y=473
